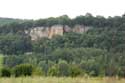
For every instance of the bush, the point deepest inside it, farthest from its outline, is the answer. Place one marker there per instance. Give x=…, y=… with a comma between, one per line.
x=63, y=68
x=75, y=71
x=121, y=72
x=23, y=70
x=45, y=66
x=38, y=71
x=5, y=72
x=53, y=71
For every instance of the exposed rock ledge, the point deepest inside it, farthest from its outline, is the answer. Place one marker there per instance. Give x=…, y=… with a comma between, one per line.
x=39, y=32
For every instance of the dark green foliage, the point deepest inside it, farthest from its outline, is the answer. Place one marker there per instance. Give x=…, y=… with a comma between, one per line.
x=4, y=21
x=5, y=72
x=14, y=44
x=37, y=71
x=23, y=70
x=121, y=72
x=75, y=71
x=53, y=71
x=63, y=68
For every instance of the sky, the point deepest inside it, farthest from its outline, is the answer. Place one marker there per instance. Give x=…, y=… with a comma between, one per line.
x=36, y=9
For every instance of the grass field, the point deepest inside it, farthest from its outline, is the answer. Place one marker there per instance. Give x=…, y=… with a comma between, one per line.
x=60, y=80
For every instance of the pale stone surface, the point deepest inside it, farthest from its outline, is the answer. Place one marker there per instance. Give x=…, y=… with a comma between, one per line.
x=39, y=32
x=55, y=30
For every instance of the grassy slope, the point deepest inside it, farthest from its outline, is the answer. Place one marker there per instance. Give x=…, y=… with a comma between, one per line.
x=60, y=80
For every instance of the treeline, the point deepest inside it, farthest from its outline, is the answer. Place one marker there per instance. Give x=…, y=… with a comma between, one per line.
x=18, y=26
x=4, y=21
x=98, y=52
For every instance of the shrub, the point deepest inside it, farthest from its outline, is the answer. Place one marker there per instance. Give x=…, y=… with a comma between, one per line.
x=53, y=71
x=75, y=71
x=45, y=66
x=38, y=71
x=63, y=68
x=121, y=72
x=5, y=72
x=23, y=70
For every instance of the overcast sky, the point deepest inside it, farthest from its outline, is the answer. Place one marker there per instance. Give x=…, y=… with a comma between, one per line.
x=35, y=9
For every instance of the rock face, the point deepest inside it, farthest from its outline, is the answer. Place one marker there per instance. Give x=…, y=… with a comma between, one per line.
x=55, y=30
x=39, y=32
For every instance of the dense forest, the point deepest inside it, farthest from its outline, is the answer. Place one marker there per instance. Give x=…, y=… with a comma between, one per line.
x=98, y=52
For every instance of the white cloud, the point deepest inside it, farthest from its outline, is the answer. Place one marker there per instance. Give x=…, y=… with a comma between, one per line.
x=34, y=9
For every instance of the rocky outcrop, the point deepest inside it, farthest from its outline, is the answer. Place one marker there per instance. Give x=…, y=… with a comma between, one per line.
x=55, y=30
x=39, y=32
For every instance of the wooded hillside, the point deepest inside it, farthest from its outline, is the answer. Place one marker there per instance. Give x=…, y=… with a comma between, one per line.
x=100, y=51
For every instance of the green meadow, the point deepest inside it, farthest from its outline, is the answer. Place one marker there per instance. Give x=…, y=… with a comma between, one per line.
x=60, y=80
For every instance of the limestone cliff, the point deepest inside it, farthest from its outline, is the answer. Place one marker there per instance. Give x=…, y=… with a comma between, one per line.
x=39, y=32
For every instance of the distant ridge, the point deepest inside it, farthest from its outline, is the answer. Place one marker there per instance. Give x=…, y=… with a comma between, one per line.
x=4, y=21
